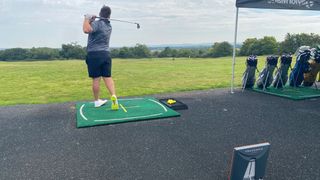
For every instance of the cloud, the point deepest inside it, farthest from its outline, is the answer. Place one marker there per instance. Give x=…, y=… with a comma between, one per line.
x=162, y=22
x=3, y=6
x=73, y=4
x=258, y=23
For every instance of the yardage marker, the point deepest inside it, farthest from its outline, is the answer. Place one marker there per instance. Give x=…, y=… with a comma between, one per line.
x=123, y=108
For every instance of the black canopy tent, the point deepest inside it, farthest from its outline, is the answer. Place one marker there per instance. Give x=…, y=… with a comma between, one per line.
x=269, y=4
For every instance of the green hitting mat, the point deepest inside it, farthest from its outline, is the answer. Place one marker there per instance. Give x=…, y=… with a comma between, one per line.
x=295, y=93
x=134, y=109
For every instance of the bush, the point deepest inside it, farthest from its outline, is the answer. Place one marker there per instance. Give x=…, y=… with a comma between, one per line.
x=266, y=45
x=14, y=54
x=72, y=51
x=44, y=53
x=221, y=49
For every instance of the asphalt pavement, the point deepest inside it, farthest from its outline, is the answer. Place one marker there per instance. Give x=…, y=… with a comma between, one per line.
x=42, y=141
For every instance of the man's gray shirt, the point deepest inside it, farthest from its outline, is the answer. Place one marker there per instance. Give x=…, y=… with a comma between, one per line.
x=99, y=38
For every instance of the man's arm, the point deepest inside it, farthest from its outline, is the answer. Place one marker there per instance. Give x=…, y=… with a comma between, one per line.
x=87, y=23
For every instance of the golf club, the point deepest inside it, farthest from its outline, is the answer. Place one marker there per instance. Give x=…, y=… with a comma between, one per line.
x=138, y=25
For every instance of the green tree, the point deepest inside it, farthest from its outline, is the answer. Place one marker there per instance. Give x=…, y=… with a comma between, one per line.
x=1, y=55
x=72, y=51
x=185, y=53
x=202, y=52
x=246, y=46
x=266, y=45
x=168, y=52
x=269, y=45
x=125, y=52
x=221, y=49
x=14, y=54
x=114, y=53
x=293, y=41
x=44, y=53
x=155, y=54
x=141, y=51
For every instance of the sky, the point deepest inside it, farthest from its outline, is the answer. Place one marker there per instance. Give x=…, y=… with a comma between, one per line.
x=49, y=23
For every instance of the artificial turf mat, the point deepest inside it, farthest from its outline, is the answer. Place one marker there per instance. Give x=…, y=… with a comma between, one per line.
x=134, y=109
x=294, y=93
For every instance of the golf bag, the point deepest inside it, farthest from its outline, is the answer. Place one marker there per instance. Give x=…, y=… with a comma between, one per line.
x=249, y=76
x=301, y=66
x=281, y=76
x=266, y=76
x=310, y=77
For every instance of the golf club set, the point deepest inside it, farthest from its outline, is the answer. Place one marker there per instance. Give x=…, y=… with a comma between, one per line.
x=304, y=72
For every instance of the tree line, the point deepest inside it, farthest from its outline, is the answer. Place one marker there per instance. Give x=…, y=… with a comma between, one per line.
x=264, y=46
x=268, y=44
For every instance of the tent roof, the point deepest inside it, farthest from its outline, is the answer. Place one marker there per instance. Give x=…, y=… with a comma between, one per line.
x=280, y=4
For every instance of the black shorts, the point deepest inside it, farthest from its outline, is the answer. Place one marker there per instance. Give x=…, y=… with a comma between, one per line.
x=99, y=64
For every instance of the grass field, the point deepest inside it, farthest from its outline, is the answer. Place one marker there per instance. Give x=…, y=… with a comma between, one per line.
x=41, y=82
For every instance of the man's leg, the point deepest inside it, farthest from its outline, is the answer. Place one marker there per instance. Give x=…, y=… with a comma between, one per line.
x=110, y=85
x=108, y=81
x=96, y=88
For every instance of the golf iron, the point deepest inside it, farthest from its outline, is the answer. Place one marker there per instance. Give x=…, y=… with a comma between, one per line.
x=138, y=25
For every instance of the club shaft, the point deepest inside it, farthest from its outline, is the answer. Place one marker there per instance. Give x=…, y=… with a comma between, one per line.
x=117, y=20
x=123, y=21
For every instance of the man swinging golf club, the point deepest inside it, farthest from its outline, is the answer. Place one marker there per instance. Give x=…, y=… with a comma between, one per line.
x=98, y=58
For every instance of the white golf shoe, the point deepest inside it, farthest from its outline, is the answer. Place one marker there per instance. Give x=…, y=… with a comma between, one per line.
x=99, y=103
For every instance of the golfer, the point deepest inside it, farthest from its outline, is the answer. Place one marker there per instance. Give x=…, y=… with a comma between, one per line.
x=98, y=58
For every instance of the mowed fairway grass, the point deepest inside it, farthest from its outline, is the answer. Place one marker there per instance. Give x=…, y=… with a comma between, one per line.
x=40, y=82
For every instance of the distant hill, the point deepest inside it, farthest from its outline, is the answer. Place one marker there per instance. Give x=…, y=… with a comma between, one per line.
x=181, y=46
x=174, y=46
x=185, y=46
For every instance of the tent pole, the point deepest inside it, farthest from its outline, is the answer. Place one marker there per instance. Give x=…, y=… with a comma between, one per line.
x=234, y=51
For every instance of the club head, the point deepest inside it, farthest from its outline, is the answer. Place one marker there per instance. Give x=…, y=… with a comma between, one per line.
x=138, y=26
